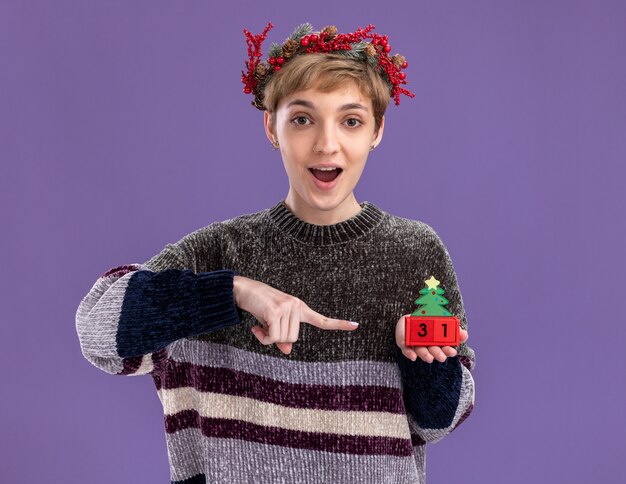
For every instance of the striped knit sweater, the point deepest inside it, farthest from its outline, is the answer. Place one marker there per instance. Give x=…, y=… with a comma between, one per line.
x=343, y=407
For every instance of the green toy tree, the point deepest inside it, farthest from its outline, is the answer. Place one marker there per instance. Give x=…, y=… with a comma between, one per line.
x=432, y=300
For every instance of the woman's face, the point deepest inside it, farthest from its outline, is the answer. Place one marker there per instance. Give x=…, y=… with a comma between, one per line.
x=325, y=138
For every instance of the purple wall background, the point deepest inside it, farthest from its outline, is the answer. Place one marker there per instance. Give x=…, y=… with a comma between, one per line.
x=123, y=126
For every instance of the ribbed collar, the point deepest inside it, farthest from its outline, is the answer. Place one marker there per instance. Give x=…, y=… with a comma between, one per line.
x=361, y=224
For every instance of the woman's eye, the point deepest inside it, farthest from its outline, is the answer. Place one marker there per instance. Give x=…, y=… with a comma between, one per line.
x=300, y=120
x=353, y=122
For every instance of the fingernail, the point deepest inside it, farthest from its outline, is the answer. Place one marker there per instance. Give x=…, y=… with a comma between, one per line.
x=353, y=323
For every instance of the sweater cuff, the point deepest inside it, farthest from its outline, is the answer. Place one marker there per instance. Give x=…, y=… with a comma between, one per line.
x=162, y=307
x=215, y=306
x=431, y=390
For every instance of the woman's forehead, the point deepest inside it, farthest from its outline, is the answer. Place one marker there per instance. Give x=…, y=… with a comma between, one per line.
x=346, y=96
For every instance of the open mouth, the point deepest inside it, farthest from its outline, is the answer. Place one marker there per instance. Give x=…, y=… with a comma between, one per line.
x=326, y=174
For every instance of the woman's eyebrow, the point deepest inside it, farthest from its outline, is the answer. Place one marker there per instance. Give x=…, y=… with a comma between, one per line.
x=309, y=104
x=301, y=102
x=347, y=107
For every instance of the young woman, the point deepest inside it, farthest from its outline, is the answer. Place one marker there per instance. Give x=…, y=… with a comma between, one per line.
x=276, y=339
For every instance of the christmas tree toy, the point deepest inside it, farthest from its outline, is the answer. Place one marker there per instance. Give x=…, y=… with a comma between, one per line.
x=432, y=324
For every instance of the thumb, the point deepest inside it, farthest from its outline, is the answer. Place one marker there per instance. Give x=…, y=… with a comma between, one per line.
x=316, y=319
x=463, y=335
x=285, y=348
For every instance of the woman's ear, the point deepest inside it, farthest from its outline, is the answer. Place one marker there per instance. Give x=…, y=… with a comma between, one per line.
x=378, y=136
x=269, y=129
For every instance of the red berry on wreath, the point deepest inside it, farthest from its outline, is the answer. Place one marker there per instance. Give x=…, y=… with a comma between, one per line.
x=280, y=60
x=387, y=48
x=304, y=41
x=314, y=38
x=247, y=90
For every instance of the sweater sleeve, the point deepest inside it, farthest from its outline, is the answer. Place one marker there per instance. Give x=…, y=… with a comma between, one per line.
x=439, y=396
x=133, y=312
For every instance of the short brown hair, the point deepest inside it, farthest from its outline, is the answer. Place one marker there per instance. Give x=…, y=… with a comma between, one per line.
x=326, y=72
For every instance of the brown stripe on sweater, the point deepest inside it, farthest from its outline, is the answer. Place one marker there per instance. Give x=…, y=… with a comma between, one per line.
x=131, y=365
x=326, y=397
x=237, y=429
x=417, y=440
x=229, y=462
x=119, y=271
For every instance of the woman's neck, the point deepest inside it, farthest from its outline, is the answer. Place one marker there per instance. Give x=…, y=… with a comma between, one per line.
x=318, y=216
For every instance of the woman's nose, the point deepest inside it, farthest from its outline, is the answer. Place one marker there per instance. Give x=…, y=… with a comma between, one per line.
x=326, y=142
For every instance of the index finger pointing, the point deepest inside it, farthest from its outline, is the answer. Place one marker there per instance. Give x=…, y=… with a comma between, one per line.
x=316, y=319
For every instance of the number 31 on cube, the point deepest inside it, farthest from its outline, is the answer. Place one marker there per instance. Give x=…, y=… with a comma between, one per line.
x=432, y=331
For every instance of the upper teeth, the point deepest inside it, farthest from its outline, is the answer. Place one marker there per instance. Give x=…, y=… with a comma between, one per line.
x=330, y=168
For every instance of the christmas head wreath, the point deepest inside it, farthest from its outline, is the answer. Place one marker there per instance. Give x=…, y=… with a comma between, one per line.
x=304, y=40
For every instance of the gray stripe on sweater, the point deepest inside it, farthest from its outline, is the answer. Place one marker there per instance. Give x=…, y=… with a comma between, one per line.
x=103, y=303
x=229, y=460
x=357, y=372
